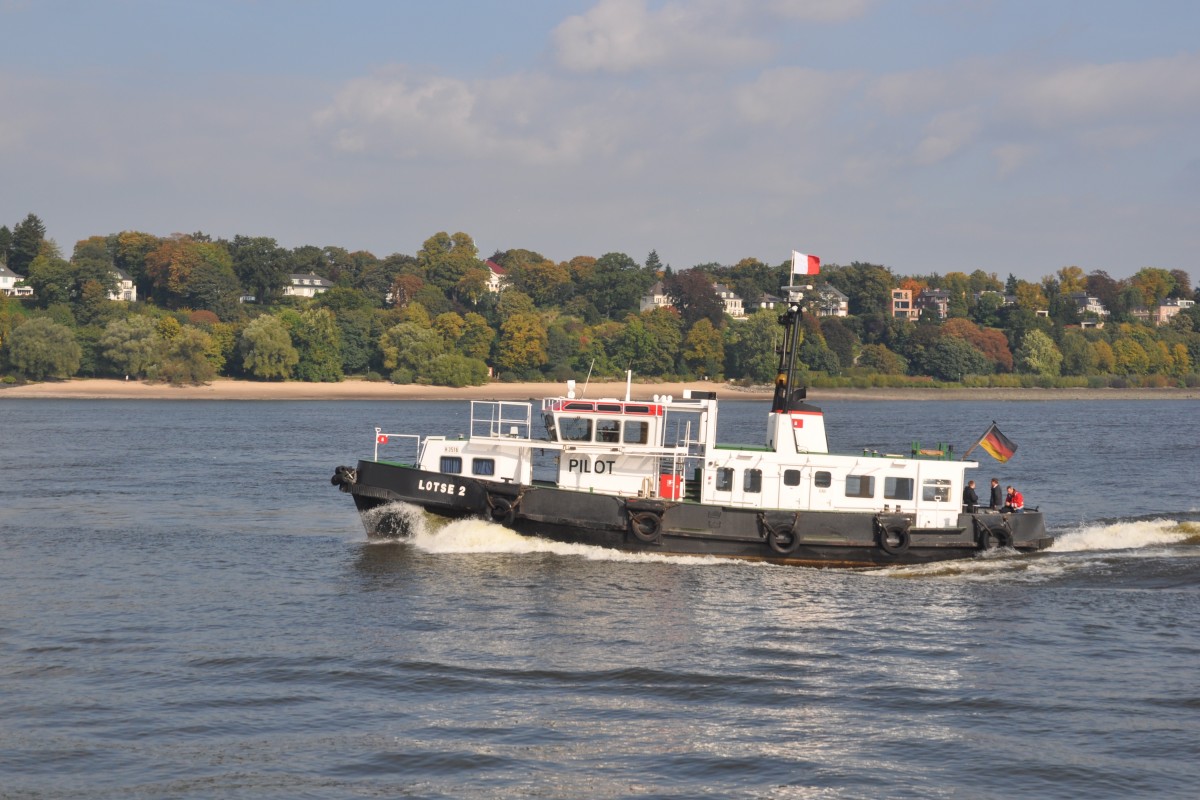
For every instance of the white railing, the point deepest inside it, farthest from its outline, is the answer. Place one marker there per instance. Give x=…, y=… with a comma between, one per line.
x=398, y=445
x=493, y=419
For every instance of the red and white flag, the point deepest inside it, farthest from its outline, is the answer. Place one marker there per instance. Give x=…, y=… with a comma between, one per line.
x=804, y=264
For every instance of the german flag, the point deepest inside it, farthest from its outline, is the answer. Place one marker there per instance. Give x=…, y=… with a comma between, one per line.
x=997, y=444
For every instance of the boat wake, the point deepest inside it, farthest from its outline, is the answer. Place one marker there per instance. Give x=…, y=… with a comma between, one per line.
x=468, y=536
x=1104, y=545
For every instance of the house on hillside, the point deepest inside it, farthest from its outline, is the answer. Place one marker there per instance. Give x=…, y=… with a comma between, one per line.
x=1087, y=304
x=9, y=281
x=830, y=301
x=902, y=305
x=734, y=305
x=764, y=302
x=126, y=291
x=936, y=300
x=655, y=297
x=309, y=285
x=1163, y=313
x=497, y=276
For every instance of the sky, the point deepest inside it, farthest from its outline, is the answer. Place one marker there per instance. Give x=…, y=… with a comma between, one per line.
x=1012, y=136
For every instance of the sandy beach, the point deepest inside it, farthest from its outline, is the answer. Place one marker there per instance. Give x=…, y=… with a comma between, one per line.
x=224, y=389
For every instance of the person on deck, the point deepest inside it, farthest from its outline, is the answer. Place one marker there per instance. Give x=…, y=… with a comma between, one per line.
x=1014, y=502
x=970, y=498
x=997, y=496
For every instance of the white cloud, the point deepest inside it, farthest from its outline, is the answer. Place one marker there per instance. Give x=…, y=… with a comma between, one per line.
x=793, y=95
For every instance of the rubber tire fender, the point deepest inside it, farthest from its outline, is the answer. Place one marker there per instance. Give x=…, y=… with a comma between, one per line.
x=645, y=526
x=783, y=541
x=902, y=536
x=501, y=510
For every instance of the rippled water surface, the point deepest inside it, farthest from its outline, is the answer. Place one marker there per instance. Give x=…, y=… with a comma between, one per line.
x=189, y=609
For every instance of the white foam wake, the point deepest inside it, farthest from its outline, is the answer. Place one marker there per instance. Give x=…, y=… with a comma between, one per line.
x=1126, y=535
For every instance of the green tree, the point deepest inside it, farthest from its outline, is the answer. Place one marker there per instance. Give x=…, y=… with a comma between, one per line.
x=615, y=285
x=1038, y=355
x=951, y=358
x=704, y=350
x=187, y=272
x=43, y=348
x=26, y=244
x=1131, y=357
x=868, y=286
x=266, y=348
x=477, y=337
x=877, y=358
x=446, y=258
x=317, y=340
x=261, y=266
x=1077, y=353
x=750, y=348
x=130, y=346
x=694, y=297
x=452, y=369
x=412, y=346
x=186, y=359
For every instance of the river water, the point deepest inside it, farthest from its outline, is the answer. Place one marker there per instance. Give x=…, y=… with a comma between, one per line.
x=188, y=609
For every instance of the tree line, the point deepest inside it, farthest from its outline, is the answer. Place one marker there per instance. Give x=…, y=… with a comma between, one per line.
x=210, y=307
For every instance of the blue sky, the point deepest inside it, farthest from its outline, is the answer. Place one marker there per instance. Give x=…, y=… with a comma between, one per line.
x=927, y=135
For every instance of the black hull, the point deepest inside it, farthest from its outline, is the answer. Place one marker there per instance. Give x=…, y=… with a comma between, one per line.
x=637, y=525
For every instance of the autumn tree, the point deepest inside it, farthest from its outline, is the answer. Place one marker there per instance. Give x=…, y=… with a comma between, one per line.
x=188, y=273
x=522, y=345
x=694, y=297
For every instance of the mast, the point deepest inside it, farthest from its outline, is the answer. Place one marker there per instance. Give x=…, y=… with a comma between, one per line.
x=788, y=393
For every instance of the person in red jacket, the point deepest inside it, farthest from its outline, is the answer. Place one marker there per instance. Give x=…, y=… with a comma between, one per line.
x=1014, y=501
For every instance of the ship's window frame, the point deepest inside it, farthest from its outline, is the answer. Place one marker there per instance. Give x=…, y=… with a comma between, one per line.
x=898, y=488
x=483, y=466
x=822, y=479
x=637, y=431
x=610, y=408
x=551, y=430
x=935, y=490
x=575, y=429
x=752, y=480
x=450, y=465
x=791, y=477
x=724, y=479
x=863, y=485
x=608, y=430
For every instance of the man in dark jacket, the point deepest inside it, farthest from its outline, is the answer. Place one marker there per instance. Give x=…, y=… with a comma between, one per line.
x=970, y=498
x=997, y=496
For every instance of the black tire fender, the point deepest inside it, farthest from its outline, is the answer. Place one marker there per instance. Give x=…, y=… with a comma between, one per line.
x=783, y=541
x=894, y=540
x=645, y=526
x=501, y=509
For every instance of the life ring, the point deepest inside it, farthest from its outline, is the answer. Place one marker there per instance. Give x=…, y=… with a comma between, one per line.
x=502, y=510
x=894, y=540
x=645, y=526
x=783, y=540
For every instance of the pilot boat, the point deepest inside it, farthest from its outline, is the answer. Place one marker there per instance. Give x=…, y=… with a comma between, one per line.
x=650, y=476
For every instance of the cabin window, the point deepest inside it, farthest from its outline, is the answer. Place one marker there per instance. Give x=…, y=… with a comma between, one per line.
x=860, y=486
x=452, y=465
x=483, y=466
x=609, y=407
x=752, y=480
x=608, y=430
x=724, y=479
x=575, y=429
x=822, y=480
x=936, y=490
x=636, y=432
x=791, y=477
x=897, y=488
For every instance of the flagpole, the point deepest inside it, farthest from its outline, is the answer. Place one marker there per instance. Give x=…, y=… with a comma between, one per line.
x=981, y=438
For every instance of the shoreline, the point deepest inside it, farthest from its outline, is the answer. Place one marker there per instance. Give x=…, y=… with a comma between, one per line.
x=229, y=389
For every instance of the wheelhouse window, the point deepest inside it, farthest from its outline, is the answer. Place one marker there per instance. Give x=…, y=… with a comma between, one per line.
x=636, y=432
x=936, y=490
x=452, y=465
x=724, y=479
x=483, y=466
x=898, y=488
x=575, y=429
x=608, y=430
x=791, y=477
x=860, y=486
x=752, y=480
x=822, y=480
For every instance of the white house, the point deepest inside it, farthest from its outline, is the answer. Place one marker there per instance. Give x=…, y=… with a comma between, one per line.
x=126, y=290
x=497, y=275
x=309, y=285
x=734, y=305
x=655, y=297
x=9, y=281
x=831, y=301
